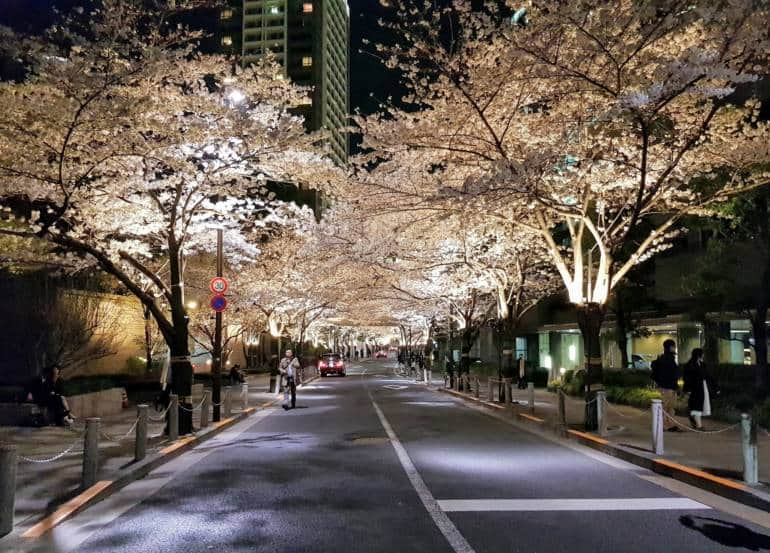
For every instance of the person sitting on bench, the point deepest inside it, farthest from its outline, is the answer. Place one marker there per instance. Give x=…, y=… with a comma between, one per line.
x=46, y=391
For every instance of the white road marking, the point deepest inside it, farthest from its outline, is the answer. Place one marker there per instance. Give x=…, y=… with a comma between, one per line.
x=395, y=387
x=635, y=504
x=446, y=526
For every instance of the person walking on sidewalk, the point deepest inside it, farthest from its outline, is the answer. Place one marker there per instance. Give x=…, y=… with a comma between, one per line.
x=665, y=374
x=522, y=372
x=701, y=388
x=289, y=367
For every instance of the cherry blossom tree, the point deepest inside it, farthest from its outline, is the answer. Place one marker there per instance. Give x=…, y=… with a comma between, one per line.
x=125, y=148
x=585, y=123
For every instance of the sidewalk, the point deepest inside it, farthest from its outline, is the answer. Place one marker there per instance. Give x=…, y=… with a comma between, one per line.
x=716, y=451
x=55, y=476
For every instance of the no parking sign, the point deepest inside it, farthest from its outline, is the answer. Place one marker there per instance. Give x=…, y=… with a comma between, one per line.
x=218, y=303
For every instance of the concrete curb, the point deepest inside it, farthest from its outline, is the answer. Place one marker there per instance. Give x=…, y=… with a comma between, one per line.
x=135, y=471
x=729, y=489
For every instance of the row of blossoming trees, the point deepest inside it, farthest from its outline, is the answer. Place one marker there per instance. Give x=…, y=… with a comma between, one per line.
x=577, y=133
x=124, y=148
x=535, y=152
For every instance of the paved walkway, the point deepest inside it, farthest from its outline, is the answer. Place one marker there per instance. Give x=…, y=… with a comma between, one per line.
x=56, y=475
x=717, y=451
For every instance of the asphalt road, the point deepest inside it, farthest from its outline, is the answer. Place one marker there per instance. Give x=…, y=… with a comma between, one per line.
x=371, y=463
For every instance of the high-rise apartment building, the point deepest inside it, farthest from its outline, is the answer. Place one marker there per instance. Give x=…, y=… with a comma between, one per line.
x=310, y=39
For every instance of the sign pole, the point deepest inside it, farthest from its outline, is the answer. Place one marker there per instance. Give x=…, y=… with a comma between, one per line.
x=217, y=361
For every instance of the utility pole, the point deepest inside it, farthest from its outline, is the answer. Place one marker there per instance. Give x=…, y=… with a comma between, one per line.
x=217, y=365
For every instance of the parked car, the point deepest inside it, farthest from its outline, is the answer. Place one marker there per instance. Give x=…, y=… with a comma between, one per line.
x=331, y=363
x=381, y=354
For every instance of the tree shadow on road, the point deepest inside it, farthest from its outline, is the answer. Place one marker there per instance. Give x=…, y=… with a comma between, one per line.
x=726, y=533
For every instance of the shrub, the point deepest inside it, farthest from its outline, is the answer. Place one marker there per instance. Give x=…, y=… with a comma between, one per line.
x=636, y=397
x=627, y=379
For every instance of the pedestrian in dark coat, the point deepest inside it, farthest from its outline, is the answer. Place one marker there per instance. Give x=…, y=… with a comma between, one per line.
x=701, y=388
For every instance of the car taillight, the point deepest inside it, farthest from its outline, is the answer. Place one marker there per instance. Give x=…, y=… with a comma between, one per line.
x=338, y=364
x=321, y=365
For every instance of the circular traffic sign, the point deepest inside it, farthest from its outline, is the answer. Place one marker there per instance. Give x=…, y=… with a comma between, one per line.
x=218, y=285
x=218, y=303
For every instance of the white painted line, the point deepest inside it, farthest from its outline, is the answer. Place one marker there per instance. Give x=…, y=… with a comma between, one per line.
x=446, y=526
x=635, y=504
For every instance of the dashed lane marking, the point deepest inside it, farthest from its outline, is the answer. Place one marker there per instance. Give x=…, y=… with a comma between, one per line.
x=626, y=504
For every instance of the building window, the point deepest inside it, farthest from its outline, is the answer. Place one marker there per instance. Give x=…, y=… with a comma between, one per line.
x=307, y=61
x=227, y=40
x=227, y=13
x=275, y=10
x=307, y=7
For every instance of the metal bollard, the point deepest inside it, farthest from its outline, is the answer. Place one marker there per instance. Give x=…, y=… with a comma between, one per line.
x=91, y=452
x=749, y=445
x=601, y=412
x=430, y=377
x=205, y=407
x=228, y=402
x=173, y=417
x=657, y=426
x=140, y=444
x=531, y=396
x=425, y=376
x=245, y=396
x=457, y=382
x=490, y=390
x=476, y=387
x=507, y=391
x=8, y=464
x=562, y=410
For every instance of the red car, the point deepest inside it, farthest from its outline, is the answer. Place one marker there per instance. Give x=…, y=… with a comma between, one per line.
x=331, y=363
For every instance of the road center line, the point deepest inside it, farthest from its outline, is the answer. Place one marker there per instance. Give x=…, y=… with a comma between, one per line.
x=634, y=504
x=446, y=526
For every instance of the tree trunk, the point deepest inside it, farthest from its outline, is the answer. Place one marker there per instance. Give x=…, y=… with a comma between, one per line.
x=181, y=367
x=621, y=335
x=147, y=338
x=590, y=317
x=467, y=339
